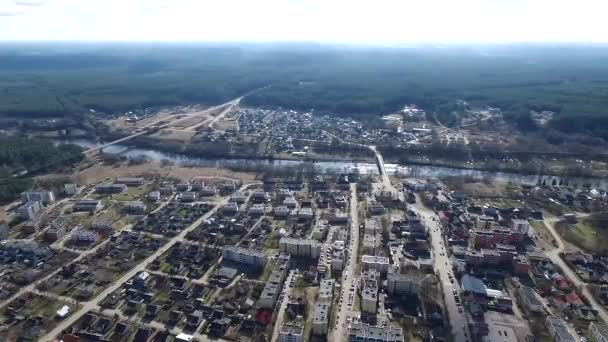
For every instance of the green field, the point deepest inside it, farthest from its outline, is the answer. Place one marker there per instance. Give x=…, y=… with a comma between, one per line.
x=589, y=233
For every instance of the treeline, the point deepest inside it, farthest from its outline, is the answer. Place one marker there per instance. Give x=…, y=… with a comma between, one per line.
x=569, y=80
x=20, y=157
x=34, y=155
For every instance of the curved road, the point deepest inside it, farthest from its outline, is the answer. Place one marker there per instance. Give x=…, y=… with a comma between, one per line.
x=555, y=257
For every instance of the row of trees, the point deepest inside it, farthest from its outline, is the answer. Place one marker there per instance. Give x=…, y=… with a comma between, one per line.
x=362, y=82
x=24, y=156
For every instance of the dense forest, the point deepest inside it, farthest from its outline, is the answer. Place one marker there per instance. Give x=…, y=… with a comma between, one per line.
x=29, y=156
x=66, y=80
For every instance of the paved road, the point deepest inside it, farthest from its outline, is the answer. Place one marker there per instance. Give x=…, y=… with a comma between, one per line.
x=460, y=329
x=340, y=332
x=386, y=182
x=94, y=303
x=209, y=122
x=230, y=104
x=550, y=222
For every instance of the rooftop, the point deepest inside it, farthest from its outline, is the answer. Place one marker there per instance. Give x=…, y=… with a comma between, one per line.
x=472, y=284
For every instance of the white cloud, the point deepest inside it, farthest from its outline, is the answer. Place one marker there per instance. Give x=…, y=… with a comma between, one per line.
x=352, y=21
x=30, y=2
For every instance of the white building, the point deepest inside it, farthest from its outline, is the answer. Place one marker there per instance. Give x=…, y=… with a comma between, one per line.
x=257, y=209
x=83, y=235
x=306, y=213
x=528, y=299
x=361, y=332
x=326, y=290
x=371, y=226
x=281, y=211
x=229, y=186
x=230, y=208
x=130, y=181
x=300, y=247
x=70, y=189
x=136, y=207
x=189, y=196
x=320, y=320
x=291, y=333
x=319, y=231
x=403, y=283
x=378, y=263
x=521, y=226
x=290, y=202
x=87, y=205
x=238, y=197
x=337, y=261
x=369, y=291
x=30, y=210
x=339, y=217
x=245, y=256
x=154, y=195
x=43, y=196
x=598, y=331
x=209, y=190
x=369, y=244
x=558, y=329
x=275, y=283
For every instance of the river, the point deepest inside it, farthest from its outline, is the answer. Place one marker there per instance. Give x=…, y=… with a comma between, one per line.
x=336, y=166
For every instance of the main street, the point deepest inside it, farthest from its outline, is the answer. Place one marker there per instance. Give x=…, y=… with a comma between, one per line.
x=348, y=278
x=94, y=303
x=460, y=329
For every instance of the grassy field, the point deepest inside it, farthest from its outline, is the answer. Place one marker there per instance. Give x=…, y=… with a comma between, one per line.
x=132, y=194
x=589, y=233
x=267, y=271
x=545, y=238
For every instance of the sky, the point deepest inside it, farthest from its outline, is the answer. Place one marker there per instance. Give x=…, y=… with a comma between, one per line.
x=331, y=21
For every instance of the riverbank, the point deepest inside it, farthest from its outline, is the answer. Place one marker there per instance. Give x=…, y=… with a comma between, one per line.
x=557, y=168
x=259, y=165
x=541, y=165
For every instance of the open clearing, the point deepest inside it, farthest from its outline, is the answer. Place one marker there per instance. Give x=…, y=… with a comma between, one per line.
x=589, y=233
x=174, y=134
x=98, y=173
